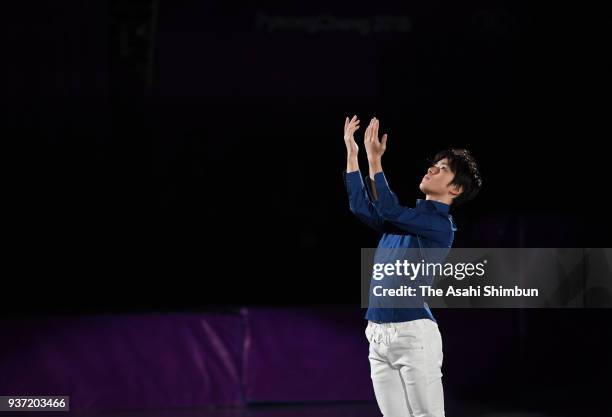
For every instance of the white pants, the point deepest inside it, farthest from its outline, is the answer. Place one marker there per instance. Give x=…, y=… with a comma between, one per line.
x=406, y=368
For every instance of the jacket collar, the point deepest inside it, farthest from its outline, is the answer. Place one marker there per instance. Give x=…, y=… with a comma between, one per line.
x=431, y=205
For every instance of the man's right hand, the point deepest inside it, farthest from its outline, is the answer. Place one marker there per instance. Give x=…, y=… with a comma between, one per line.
x=374, y=147
x=350, y=126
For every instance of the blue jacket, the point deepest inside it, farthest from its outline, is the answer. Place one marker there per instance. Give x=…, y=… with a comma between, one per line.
x=428, y=225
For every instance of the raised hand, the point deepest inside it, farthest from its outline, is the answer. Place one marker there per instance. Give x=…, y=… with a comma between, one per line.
x=350, y=126
x=375, y=148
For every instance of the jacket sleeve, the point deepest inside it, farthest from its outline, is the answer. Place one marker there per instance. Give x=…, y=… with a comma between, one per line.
x=429, y=225
x=360, y=203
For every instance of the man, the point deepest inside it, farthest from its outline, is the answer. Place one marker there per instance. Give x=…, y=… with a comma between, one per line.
x=405, y=343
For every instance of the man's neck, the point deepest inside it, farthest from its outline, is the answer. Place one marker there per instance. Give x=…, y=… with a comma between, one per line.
x=446, y=200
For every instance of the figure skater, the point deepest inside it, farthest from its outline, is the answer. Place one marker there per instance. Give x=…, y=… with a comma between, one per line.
x=405, y=352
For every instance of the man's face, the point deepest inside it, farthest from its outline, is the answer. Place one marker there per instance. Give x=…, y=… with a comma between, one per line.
x=436, y=181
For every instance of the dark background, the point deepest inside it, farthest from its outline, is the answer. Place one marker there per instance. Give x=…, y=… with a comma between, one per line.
x=176, y=155
x=188, y=156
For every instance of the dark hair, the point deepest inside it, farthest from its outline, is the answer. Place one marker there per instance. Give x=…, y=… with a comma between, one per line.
x=467, y=175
